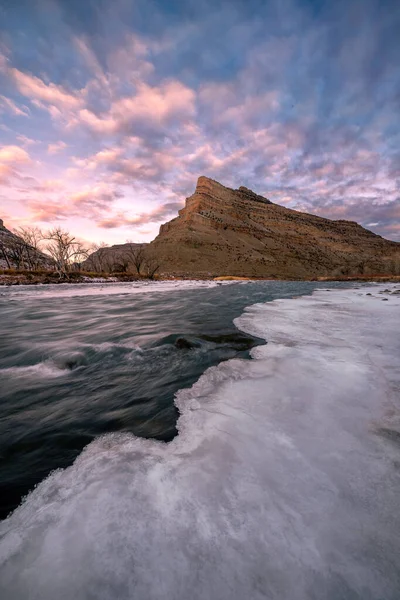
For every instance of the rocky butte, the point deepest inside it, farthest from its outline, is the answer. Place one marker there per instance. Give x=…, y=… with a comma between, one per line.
x=222, y=231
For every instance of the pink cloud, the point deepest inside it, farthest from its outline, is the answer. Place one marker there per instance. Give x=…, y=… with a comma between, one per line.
x=132, y=161
x=151, y=105
x=12, y=107
x=154, y=105
x=93, y=203
x=5, y=173
x=47, y=211
x=57, y=147
x=26, y=141
x=48, y=186
x=13, y=155
x=108, y=156
x=34, y=88
x=102, y=125
x=100, y=196
x=157, y=215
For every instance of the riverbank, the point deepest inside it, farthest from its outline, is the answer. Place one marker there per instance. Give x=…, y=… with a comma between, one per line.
x=13, y=277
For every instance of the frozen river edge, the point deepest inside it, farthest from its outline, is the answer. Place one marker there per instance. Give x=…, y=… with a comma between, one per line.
x=282, y=483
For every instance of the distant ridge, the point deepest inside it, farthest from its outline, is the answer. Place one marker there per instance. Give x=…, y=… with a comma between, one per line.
x=222, y=231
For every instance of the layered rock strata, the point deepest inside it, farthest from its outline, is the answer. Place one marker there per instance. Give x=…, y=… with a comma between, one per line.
x=222, y=231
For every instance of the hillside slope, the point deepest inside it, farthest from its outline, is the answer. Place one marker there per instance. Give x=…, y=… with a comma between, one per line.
x=16, y=253
x=222, y=231
x=118, y=257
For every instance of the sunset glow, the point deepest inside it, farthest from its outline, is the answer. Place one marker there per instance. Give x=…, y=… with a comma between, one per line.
x=109, y=111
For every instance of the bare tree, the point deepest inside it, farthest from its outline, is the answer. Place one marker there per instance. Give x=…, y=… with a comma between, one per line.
x=81, y=253
x=109, y=262
x=64, y=248
x=31, y=236
x=102, y=251
x=13, y=250
x=4, y=252
x=136, y=255
x=17, y=252
x=152, y=266
x=120, y=262
x=97, y=257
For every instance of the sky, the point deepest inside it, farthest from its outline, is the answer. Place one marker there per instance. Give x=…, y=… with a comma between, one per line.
x=110, y=111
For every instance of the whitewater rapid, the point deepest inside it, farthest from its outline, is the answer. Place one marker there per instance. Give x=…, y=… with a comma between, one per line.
x=283, y=482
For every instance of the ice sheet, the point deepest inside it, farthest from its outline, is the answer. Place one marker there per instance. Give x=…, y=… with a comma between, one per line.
x=101, y=289
x=283, y=482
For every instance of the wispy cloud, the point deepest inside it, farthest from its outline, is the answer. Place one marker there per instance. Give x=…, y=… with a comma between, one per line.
x=50, y=94
x=11, y=106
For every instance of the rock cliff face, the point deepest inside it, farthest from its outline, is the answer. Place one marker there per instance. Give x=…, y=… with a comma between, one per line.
x=222, y=231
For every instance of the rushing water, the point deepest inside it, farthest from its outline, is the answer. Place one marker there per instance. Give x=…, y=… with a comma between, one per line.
x=83, y=360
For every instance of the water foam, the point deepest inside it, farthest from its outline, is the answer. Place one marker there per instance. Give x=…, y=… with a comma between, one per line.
x=278, y=485
x=44, y=369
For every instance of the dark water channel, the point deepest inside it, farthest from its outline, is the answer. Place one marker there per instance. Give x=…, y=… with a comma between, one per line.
x=80, y=361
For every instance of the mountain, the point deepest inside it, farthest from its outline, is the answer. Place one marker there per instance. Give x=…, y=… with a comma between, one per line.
x=222, y=231
x=114, y=258
x=16, y=253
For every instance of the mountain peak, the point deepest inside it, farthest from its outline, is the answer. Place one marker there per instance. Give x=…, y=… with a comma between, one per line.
x=224, y=231
x=206, y=185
